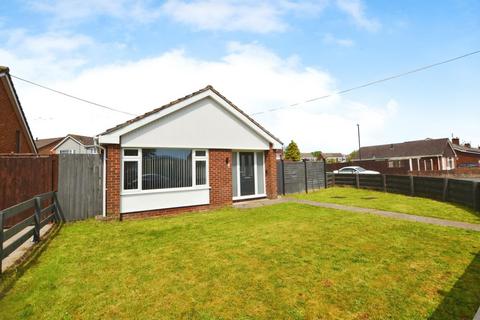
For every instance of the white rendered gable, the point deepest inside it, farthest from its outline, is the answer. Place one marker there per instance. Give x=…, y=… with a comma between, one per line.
x=203, y=124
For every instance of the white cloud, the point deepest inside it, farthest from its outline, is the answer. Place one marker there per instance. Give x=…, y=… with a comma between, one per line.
x=356, y=10
x=252, y=76
x=72, y=11
x=233, y=15
x=331, y=39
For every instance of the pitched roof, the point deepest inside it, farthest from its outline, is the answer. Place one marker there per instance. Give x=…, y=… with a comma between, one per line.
x=40, y=143
x=332, y=155
x=5, y=72
x=427, y=147
x=85, y=140
x=460, y=148
x=174, y=102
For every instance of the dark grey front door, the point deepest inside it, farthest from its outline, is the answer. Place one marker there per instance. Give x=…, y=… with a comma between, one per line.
x=247, y=174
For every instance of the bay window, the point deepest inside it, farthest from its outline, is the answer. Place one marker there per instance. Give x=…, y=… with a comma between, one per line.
x=162, y=168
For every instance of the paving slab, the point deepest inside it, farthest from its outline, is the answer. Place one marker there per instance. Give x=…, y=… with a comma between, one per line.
x=388, y=214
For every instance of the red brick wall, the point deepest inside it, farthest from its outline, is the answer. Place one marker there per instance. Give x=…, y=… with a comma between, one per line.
x=113, y=179
x=220, y=175
x=271, y=173
x=9, y=124
x=467, y=158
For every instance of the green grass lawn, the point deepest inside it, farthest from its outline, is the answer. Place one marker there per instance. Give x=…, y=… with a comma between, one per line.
x=392, y=202
x=288, y=261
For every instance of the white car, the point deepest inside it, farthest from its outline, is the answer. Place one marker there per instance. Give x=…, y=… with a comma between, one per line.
x=355, y=170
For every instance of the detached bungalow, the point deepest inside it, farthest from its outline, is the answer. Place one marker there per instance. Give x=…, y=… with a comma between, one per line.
x=418, y=155
x=200, y=151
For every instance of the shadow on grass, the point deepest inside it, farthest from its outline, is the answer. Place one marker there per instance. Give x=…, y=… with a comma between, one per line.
x=463, y=300
x=10, y=276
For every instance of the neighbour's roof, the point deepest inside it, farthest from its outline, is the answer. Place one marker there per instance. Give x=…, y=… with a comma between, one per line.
x=460, y=148
x=172, y=103
x=45, y=142
x=332, y=155
x=306, y=155
x=5, y=71
x=427, y=147
x=85, y=140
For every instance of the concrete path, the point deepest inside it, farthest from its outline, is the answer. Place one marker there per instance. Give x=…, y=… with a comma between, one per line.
x=20, y=252
x=388, y=214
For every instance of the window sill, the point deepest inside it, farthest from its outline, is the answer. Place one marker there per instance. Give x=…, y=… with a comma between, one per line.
x=137, y=192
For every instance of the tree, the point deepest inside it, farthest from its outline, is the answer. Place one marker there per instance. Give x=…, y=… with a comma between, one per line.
x=292, y=152
x=352, y=155
x=317, y=155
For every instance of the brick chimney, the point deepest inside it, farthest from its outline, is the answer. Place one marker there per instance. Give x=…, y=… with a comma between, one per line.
x=468, y=145
x=456, y=141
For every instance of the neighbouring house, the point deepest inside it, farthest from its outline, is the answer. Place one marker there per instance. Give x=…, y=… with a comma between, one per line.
x=15, y=134
x=70, y=144
x=334, y=157
x=466, y=155
x=308, y=156
x=200, y=151
x=418, y=155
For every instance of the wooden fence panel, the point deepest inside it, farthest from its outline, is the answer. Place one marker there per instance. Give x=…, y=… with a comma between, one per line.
x=371, y=181
x=294, y=177
x=315, y=175
x=398, y=184
x=346, y=179
x=461, y=192
x=21, y=178
x=291, y=176
x=80, y=185
x=429, y=187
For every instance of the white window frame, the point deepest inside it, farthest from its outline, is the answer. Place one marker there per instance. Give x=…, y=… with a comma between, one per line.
x=138, y=159
x=66, y=151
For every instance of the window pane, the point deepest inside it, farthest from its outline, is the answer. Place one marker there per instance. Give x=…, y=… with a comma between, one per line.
x=130, y=152
x=200, y=153
x=166, y=168
x=200, y=172
x=130, y=175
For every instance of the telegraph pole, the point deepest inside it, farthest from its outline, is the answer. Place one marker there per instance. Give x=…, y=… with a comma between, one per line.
x=358, y=132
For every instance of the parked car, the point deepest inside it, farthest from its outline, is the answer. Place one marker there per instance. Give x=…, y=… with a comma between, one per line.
x=355, y=170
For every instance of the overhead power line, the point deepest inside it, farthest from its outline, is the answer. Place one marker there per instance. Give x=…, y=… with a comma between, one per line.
x=72, y=96
x=371, y=83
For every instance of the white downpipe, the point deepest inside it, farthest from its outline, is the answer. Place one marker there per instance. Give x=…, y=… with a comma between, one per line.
x=104, y=178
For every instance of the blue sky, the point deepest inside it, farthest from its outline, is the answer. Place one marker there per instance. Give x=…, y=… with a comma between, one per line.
x=136, y=55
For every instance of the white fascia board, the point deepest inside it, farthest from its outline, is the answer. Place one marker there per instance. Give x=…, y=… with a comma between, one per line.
x=114, y=136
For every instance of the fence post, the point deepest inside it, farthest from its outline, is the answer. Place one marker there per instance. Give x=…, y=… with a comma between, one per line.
x=357, y=180
x=58, y=209
x=412, y=186
x=384, y=181
x=1, y=240
x=283, y=176
x=37, y=218
x=325, y=176
x=306, y=179
x=445, y=189
x=476, y=196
